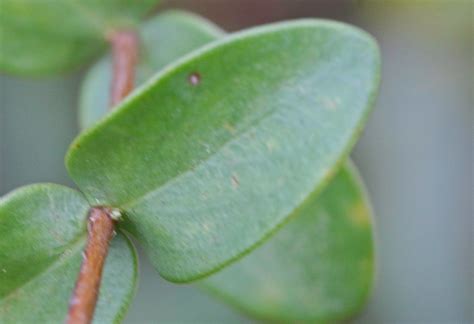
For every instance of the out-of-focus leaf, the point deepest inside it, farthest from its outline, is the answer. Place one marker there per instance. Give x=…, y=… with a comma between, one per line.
x=47, y=36
x=163, y=39
x=42, y=235
x=319, y=267
x=212, y=155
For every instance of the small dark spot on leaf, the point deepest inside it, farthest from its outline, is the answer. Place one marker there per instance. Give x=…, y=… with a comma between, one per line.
x=194, y=78
x=235, y=181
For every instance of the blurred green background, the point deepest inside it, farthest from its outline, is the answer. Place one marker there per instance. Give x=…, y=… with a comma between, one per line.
x=415, y=155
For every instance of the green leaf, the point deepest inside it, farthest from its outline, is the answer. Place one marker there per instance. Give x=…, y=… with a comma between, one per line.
x=319, y=267
x=211, y=155
x=49, y=36
x=42, y=236
x=163, y=39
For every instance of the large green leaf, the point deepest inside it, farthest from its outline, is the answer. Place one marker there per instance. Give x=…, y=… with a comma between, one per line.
x=46, y=36
x=163, y=38
x=42, y=235
x=210, y=156
x=319, y=267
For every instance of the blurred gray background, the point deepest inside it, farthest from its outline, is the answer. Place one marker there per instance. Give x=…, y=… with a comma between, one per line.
x=415, y=155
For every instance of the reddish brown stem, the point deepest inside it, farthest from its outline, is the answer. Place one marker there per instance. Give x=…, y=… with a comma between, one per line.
x=100, y=228
x=125, y=54
x=100, y=222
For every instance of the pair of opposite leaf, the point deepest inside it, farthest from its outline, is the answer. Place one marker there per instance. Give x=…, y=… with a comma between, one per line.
x=204, y=172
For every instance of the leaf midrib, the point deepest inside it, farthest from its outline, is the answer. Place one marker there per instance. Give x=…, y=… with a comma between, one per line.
x=191, y=169
x=75, y=246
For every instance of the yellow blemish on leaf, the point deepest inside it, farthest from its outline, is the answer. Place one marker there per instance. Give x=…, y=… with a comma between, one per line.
x=205, y=227
x=331, y=103
x=359, y=214
x=271, y=145
x=229, y=128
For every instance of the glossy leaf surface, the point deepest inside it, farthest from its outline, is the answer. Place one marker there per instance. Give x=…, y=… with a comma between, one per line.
x=210, y=156
x=318, y=267
x=42, y=236
x=163, y=39
x=48, y=36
